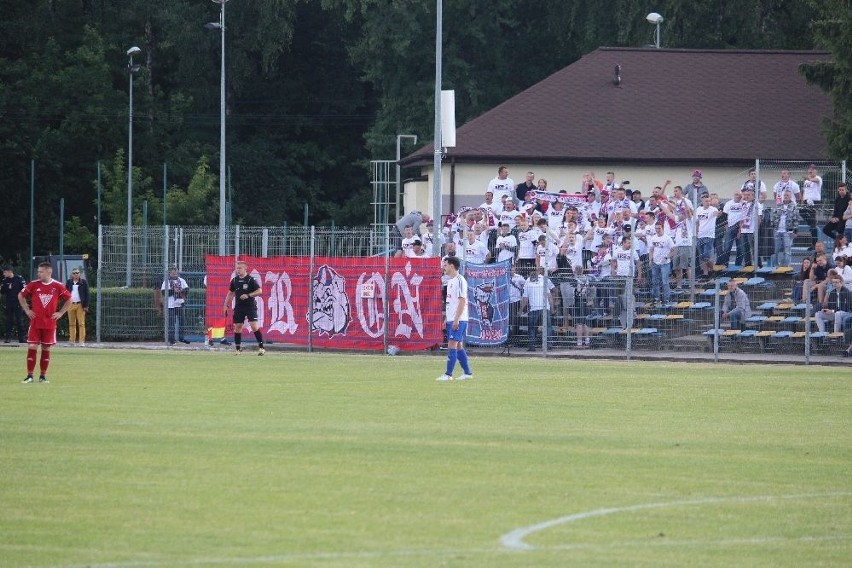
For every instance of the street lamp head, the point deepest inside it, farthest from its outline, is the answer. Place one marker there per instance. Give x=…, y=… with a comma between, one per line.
x=213, y=26
x=220, y=1
x=133, y=51
x=654, y=18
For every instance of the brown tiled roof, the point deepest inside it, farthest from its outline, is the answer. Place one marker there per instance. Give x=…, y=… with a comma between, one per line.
x=672, y=105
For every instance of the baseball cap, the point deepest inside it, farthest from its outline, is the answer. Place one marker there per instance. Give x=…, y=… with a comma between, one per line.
x=696, y=173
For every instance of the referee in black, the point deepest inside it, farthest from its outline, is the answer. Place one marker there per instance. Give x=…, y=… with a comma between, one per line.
x=244, y=288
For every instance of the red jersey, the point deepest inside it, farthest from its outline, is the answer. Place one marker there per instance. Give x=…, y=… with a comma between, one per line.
x=44, y=301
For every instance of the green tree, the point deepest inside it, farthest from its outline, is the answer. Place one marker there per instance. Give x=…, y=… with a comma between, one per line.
x=834, y=33
x=199, y=204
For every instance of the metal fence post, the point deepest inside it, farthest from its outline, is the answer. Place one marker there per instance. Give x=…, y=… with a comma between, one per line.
x=99, y=298
x=311, y=290
x=629, y=307
x=806, y=286
x=716, y=322
x=386, y=291
x=165, y=296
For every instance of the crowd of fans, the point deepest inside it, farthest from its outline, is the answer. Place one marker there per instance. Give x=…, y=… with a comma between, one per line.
x=590, y=242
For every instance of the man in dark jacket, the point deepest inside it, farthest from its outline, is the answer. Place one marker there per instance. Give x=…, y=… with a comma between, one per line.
x=12, y=286
x=79, y=289
x=835, y=224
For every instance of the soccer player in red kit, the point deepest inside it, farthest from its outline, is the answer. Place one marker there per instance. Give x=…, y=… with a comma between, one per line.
x=45, y=295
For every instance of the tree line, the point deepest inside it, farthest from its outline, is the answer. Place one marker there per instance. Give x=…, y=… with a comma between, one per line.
x=315, y=90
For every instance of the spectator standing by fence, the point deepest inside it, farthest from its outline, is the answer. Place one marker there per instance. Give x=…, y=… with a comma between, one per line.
x=79, y=289
x=538, y=301
x=502, y=184
x=694, y=190
x=175, y=289
x=12, y=286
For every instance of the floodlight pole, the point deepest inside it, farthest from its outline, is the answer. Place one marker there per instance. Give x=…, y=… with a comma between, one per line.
x=436, y=182
x=130, y=71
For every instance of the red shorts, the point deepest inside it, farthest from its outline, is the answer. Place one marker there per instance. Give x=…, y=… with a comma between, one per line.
x=43, y=335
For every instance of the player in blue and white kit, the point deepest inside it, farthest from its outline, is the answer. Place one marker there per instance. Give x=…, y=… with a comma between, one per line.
x=457, y=316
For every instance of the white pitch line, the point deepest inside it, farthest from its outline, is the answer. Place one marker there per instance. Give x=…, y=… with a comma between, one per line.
x=515, y=539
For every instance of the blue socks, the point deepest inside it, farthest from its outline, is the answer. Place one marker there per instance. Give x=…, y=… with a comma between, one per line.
x=451, y=361
x=461, y=355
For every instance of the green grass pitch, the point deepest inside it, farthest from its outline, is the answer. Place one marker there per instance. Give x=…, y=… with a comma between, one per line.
x=156, y=458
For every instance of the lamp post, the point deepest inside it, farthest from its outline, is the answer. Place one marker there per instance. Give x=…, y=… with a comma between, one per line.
x=131, y=69
x=220, y=25
x=398, y=157
x=438, y=153
x=656, y=19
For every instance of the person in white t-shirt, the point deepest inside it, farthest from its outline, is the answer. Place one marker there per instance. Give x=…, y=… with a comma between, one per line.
x=786, y=184
x=507, y=244
x=733, y=209
x=752, y=215
x=538, y=301
x=555, y=216
x=475, y=251
x=496, y=206
x=502, y=184
x=546, y=252
x=661, y=252
x=752, y=184
x=408, y=240
x=527, y=241
x=456, y=318
x=705, y=220
x=811, y=195
x=571, y=245
x=509, y=215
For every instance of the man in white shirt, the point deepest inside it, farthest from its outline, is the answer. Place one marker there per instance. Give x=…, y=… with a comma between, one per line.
x=752, y=214
x=624, y=260
x=538, y=301
x=457, y=318
x=408, y=239
x=786, y=184
x=752, y=184
x=733, y=208
x=811, y=195
x=705, y=220
x=507, y=244
x=502, y=184
x=546, y=252
x=475, y=251
x=175, y=289
x=527, y=241
x=509, y=215
x=496, y=206
x=662, y=250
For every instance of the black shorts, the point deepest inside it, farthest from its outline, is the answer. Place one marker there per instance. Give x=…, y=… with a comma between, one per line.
x=242, y=313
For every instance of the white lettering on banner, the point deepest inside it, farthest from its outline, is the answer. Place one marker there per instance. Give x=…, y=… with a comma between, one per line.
x=402, y=285
x=371, y=312
x=280, y=308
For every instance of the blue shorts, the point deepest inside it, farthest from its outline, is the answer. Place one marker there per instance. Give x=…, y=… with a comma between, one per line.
x=456, y=334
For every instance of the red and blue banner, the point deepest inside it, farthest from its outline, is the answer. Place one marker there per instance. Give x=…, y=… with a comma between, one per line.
x=338, y=302
x=488, y=302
